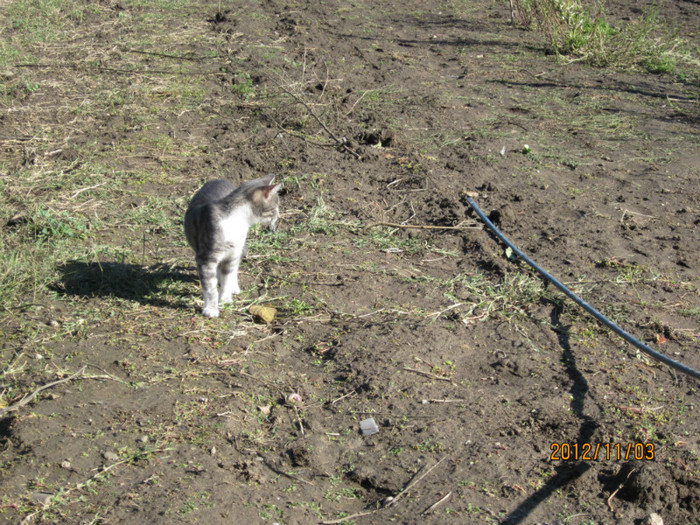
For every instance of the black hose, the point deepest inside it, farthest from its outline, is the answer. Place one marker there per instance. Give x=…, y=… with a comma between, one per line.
x=583, y=304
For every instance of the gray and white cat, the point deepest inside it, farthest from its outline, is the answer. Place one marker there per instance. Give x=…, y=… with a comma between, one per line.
x=216, y=226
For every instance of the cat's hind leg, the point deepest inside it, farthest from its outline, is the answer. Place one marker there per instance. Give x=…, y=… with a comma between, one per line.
x=207, y=275
x=227, y=272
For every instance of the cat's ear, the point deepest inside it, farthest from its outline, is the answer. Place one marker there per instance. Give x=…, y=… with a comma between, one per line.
x=267, y=179
x=272, y=190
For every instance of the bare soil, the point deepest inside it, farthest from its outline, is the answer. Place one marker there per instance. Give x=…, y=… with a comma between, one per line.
x=378, y=116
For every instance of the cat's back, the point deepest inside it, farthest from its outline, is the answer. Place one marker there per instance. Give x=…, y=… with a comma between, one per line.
x=201, y=217
x=212, y=191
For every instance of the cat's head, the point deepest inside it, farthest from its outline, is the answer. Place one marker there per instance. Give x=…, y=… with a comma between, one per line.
x=265, y=202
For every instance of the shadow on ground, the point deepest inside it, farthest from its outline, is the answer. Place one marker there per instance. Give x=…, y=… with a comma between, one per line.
x=566, y=473
x=154, y=285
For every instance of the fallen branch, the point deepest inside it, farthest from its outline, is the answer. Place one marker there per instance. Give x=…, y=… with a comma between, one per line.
x=340, y=142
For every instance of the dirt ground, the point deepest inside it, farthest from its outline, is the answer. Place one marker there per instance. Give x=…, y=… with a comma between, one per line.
x=393, y=302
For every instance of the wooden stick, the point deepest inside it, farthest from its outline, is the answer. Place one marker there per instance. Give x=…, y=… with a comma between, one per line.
x=471, y=226
x=426, y=374
x=281, y=472
x=437, y=504
x=86, y=189
x=348, y=518
x=414, y=482
x=438, y=314
x=349, y=394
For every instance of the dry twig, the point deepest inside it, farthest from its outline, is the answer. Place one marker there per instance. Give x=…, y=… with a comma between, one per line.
x=461, y=226
x=427, y=374
x=392, y=501
x=83, y=484
x=414, y=481
x=437, y=504
x=340, y=142
x=281, y=472
x=612, y=496
x=28, y=398
x=348, y=518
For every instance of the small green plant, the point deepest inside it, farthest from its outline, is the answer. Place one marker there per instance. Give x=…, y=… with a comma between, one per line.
x=298, y=307
x=432, y=447
x=48, y=225
x=31, y=87
x=320, y=219
x=243, y=86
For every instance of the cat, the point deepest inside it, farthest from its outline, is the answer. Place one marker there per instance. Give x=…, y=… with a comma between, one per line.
x=216, y=226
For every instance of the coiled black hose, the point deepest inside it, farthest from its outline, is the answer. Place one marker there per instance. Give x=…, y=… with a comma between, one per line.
x=583, y=304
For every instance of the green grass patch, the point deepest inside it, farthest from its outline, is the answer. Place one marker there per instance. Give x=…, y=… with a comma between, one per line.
x=584, y=32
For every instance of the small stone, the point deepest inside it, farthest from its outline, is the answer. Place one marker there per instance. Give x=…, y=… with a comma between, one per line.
x=110, y=456
x=262, y=314
x=65, y=465
x=653, y=519
x=368, y=427
x=143, y=439
x=294, y=399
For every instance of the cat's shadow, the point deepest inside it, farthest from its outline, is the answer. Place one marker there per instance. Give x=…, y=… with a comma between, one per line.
x=158, y=285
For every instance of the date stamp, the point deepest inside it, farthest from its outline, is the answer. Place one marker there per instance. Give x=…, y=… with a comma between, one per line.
x=602, y=451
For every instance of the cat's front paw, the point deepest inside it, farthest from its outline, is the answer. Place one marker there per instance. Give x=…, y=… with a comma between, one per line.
x=210, y=311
